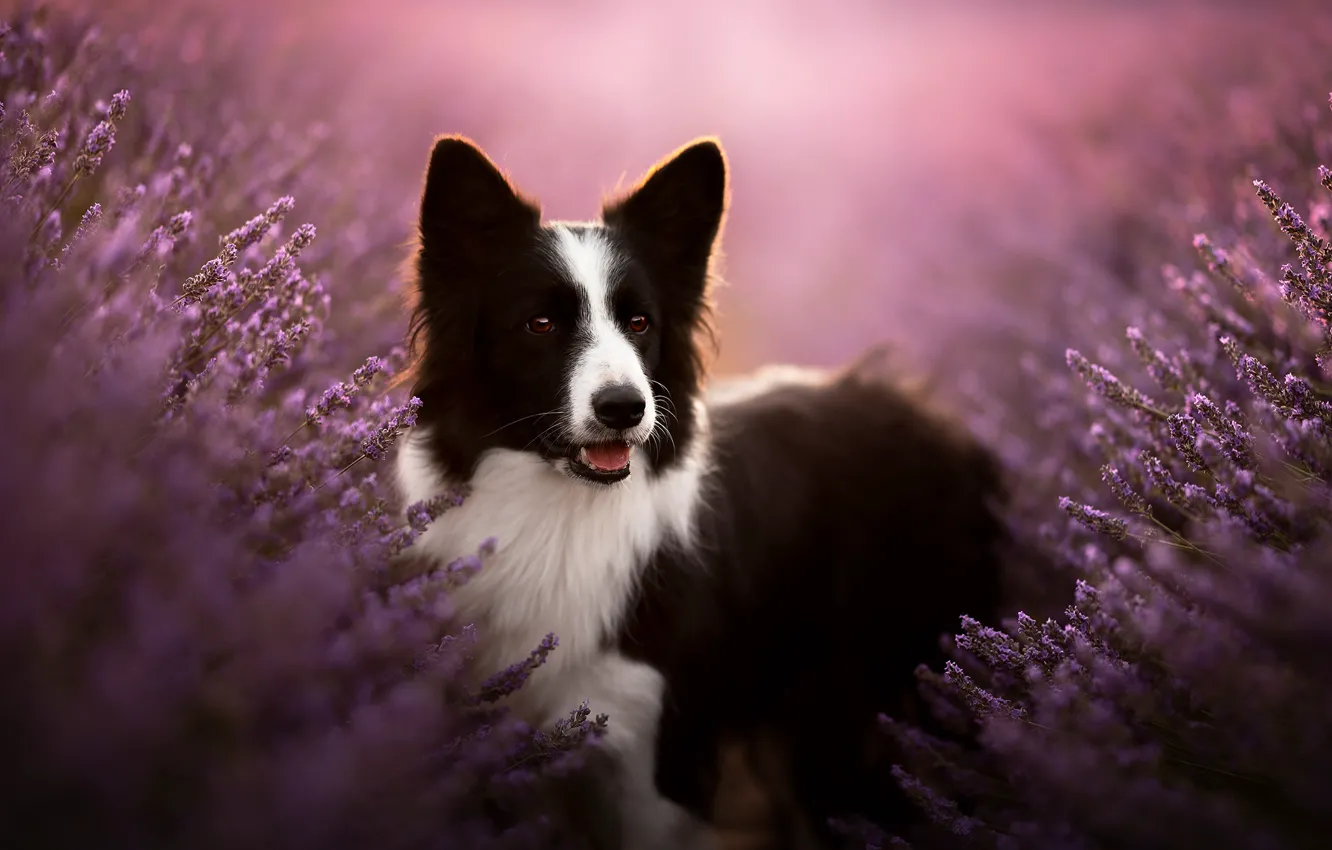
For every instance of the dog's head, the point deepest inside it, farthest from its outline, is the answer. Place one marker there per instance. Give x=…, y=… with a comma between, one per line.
x=575, y=342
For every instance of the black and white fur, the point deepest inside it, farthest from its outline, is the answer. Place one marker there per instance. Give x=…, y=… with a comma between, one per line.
x=777, y=556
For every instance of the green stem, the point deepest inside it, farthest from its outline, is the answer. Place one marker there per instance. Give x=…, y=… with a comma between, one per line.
x=337, y=474
x=298, y=430
x=42, y=218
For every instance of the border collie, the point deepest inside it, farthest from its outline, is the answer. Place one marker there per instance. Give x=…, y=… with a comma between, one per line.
x=766, y=564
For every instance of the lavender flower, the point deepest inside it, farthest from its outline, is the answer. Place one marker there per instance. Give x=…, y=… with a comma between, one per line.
x=1291, y=397
x=1095, y=519
x=257, y=228
x=941, y=810
x=119, y=101
x=981, y=701
x=1178, y=494
x=29, y=152
x=341, y=395
x=419, y=516
x=211, y=274
x=1162, y=370
x=99, y=142
x=91, y=220
x=220, y=652
x=1231, y=436
x=1186, y=433
x=1123, y=492
x=567, y=741
x=383, y=436
x=1217, y=262
x=511, y=678
x=1106, y=384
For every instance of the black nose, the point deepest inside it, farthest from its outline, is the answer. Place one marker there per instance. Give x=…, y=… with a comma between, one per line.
x=619, y=407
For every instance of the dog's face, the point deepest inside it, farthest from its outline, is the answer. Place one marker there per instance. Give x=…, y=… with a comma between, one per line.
x=573, y=342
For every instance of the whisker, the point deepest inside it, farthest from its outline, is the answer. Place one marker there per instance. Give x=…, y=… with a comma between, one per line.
x=674, y=448
x=558, y=424
x=667, y=410
x=519, y=419
x=659, y=428
x=665, y=393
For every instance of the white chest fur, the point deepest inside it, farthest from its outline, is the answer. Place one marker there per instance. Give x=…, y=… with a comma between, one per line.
x=568, y=558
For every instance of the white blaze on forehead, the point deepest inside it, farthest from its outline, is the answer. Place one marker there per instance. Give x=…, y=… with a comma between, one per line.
x=605, y=356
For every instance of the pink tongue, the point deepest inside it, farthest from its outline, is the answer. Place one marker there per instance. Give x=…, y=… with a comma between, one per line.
x=607, y=458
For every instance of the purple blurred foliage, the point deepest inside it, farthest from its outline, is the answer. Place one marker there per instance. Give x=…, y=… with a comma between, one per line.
x=207, y=646
x=205, y=637
x=1180, y=475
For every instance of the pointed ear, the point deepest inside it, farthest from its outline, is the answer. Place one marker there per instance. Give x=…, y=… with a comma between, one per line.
x=468, y=202
x=471, y=222
x=676, y=210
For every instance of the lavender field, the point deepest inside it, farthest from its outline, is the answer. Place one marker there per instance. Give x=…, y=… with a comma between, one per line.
x=1101, y=232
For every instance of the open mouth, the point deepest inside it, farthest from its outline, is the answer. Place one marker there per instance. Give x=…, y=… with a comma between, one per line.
x=604, y=463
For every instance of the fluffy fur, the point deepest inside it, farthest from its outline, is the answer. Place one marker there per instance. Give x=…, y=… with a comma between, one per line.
x=762, y=564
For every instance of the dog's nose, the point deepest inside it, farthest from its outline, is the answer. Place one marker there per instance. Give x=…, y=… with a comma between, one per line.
x=619, y=406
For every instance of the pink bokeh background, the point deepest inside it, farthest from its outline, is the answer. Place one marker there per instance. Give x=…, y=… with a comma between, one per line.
x=889, y=159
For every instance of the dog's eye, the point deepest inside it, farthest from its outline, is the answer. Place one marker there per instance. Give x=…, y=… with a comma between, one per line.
x=540, y=325
x=638, y=324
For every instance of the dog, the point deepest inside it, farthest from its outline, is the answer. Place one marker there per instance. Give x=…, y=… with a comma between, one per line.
x=757, y=565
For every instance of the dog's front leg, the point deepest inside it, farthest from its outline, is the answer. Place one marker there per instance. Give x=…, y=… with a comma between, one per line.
x=630, y=693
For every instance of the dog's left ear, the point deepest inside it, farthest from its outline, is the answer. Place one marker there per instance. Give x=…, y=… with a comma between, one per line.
x=675, y=212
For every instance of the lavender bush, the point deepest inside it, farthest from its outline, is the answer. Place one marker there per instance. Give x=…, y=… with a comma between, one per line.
x=1181, y=699
x=206, y=637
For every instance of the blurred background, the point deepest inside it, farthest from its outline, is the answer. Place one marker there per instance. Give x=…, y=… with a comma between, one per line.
x=937, y=176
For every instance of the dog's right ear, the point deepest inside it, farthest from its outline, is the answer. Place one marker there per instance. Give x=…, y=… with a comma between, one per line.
x=472, y=221
x=468, y=202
